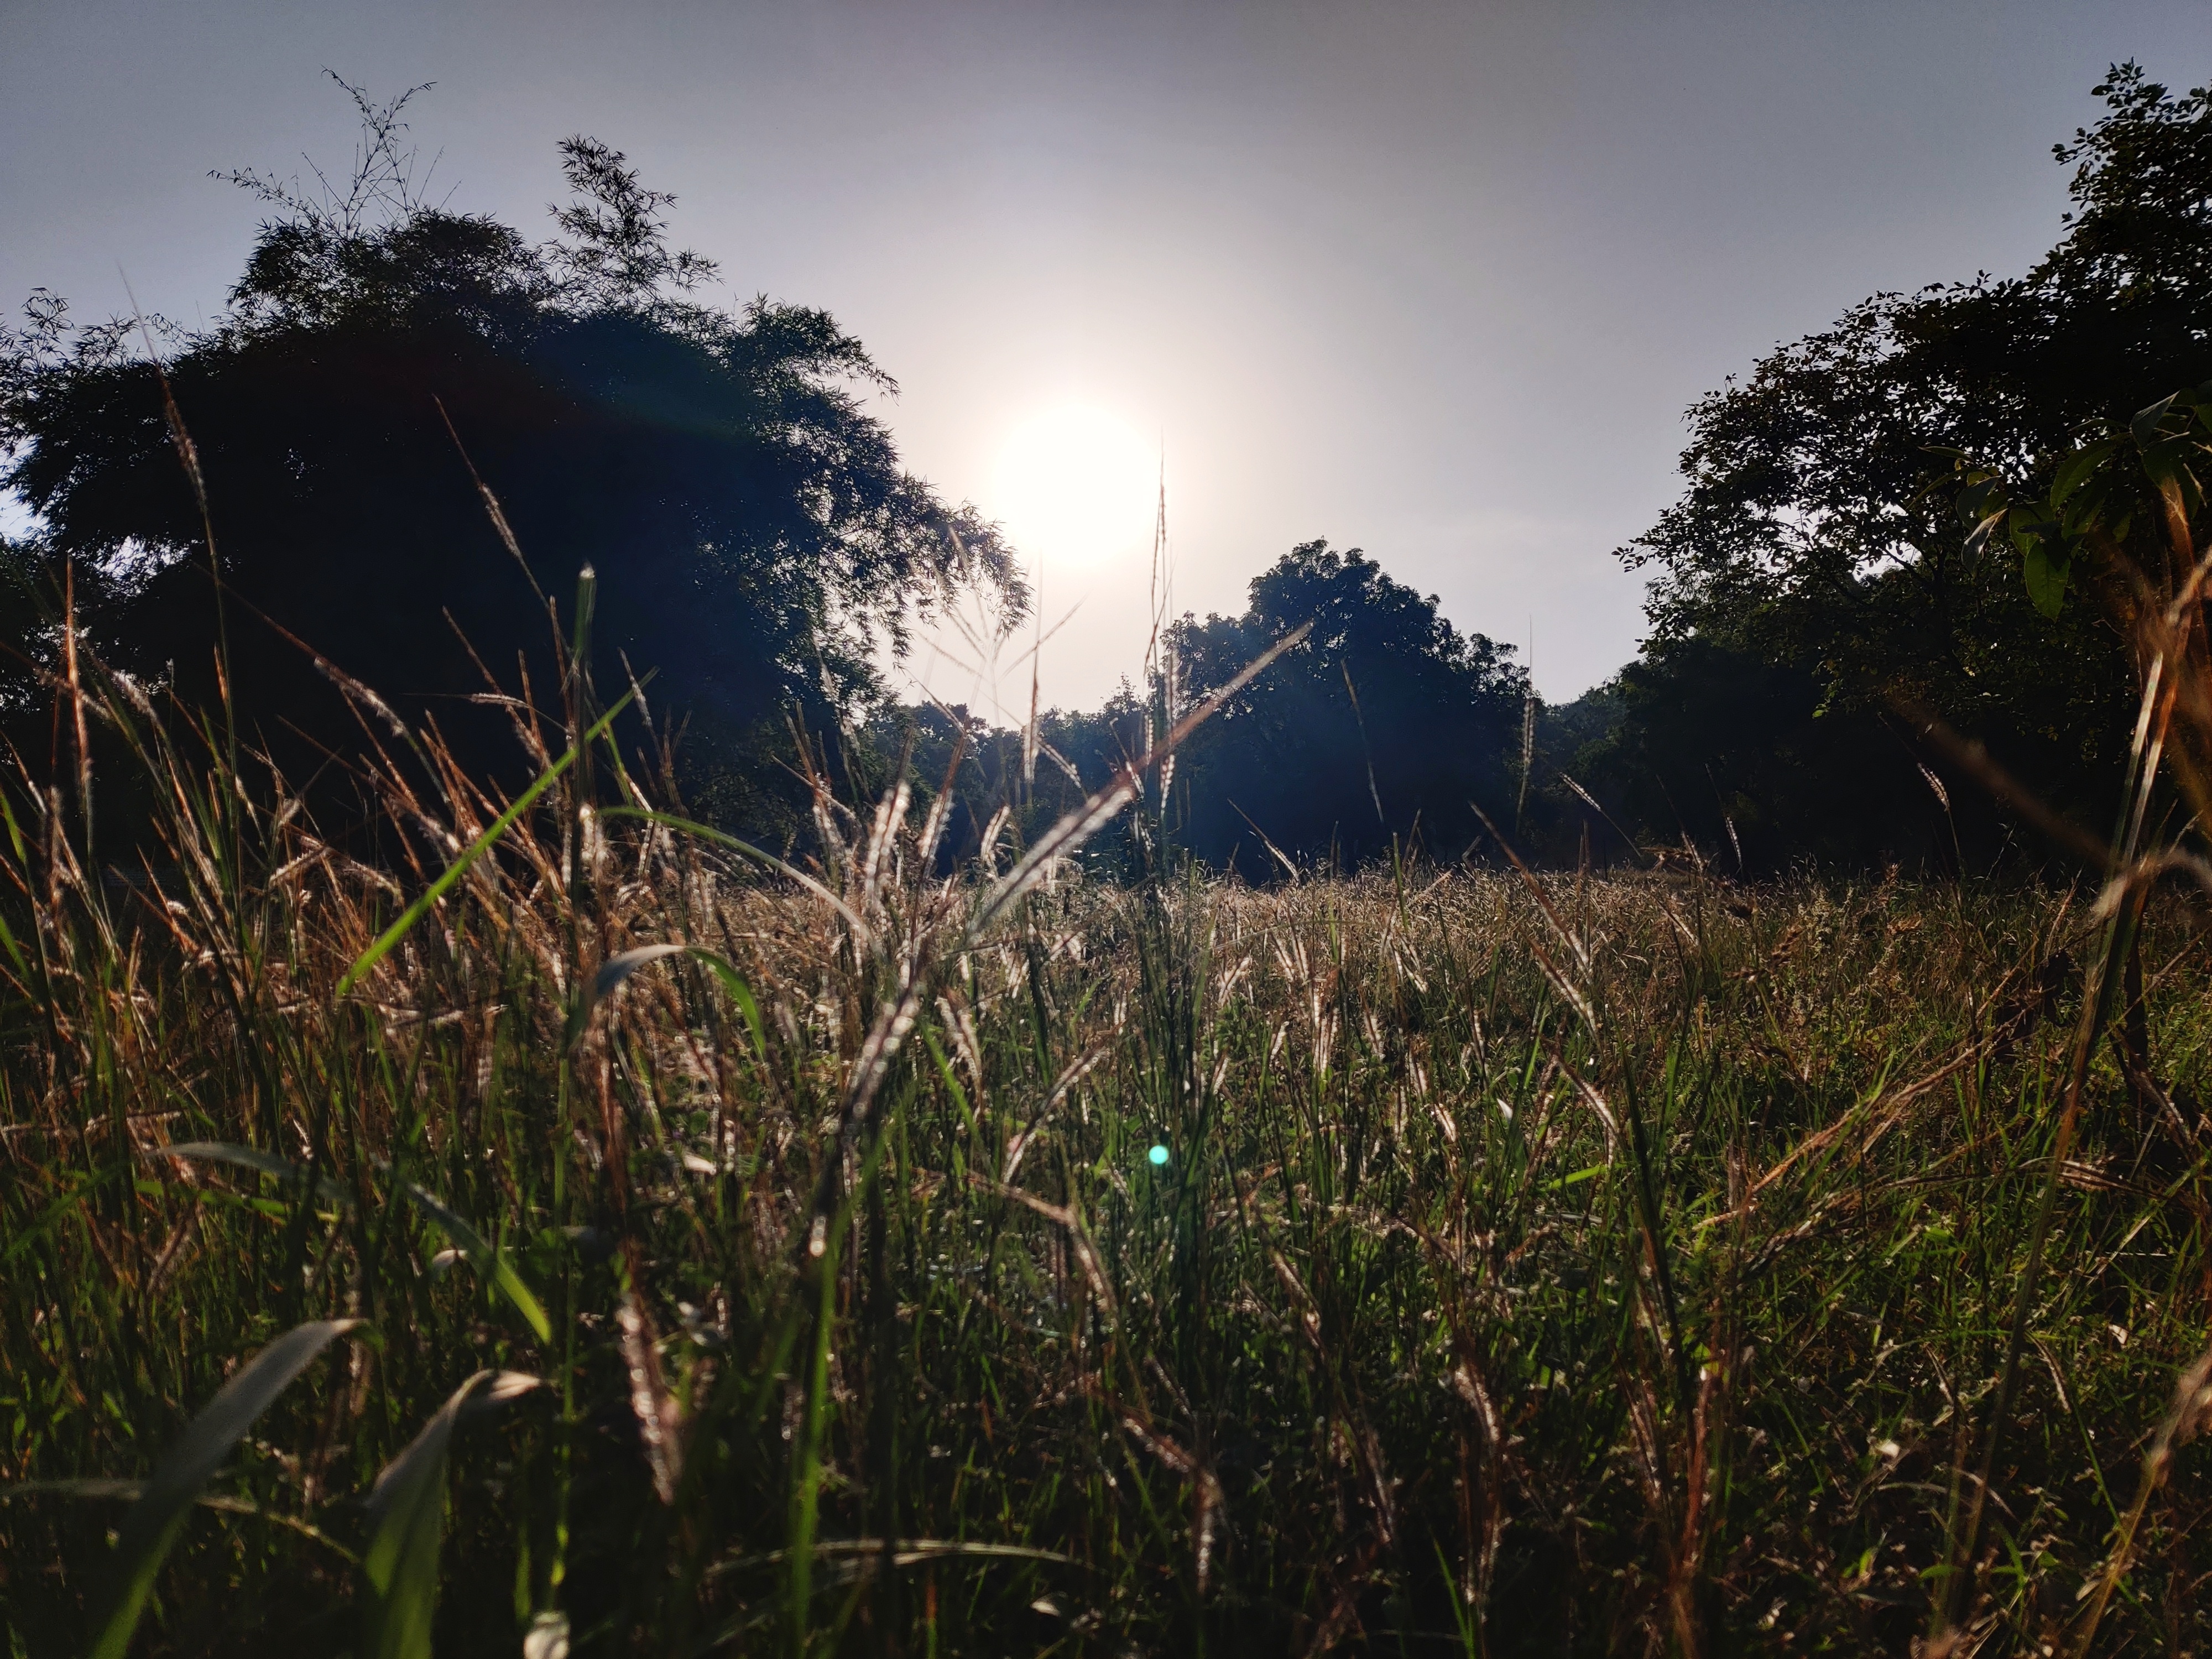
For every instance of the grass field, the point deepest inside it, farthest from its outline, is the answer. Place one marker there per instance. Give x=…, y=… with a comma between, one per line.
x=1417, y=1262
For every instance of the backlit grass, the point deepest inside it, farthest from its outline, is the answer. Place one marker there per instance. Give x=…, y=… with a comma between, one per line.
x=1591, y=1265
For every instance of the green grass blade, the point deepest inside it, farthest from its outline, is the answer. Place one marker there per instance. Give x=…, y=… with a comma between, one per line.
x=401, y=1565
x=153, y=1521
x=14, y=951
x=740, y=993
x=490, y=1264
x=475, y=850
x=250, y=1157
x=408, y=1504
x=94, y=1487
x=617, y=969
x=743, y=849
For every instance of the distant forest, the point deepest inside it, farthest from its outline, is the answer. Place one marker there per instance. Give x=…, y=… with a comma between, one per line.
x=413, y=431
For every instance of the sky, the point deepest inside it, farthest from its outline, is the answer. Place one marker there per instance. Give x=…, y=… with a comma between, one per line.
x=1435, y=281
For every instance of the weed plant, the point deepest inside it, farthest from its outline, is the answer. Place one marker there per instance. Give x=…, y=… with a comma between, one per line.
x=575, y=1233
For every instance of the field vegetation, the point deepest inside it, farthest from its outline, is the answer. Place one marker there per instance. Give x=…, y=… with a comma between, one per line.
x=638, y=1143
x=630, y=1245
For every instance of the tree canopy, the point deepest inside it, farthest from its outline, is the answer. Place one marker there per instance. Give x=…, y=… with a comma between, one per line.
x=1380, y=731
x=755, y=536
x=1384, y=724
x=1819, y=562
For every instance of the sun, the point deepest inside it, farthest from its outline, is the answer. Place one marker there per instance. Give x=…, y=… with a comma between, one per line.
x=1076, y=485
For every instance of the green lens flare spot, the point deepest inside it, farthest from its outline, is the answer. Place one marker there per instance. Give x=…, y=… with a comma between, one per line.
x=1158, y=1155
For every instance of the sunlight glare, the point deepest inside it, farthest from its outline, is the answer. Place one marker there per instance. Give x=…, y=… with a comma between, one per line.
x=1076, y=484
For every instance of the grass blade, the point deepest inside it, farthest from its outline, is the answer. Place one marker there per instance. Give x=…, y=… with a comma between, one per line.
x=78, y=1191
x=250, y=1157
x=743, y=849
x=490, y=1264
x=616, y=969
x=153, y=1521
x=475, y=850
x=409, y=1504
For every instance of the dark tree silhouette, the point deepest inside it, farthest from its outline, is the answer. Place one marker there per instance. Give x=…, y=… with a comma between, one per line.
x=755, y=537
x=1818, y=570
x=1384, y=723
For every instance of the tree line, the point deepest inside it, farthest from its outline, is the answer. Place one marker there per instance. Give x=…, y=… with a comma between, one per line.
x=411, y=429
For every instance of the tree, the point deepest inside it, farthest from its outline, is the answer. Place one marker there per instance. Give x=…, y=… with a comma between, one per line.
x=1384, y=724
x=1820, y=546
x=754, y=536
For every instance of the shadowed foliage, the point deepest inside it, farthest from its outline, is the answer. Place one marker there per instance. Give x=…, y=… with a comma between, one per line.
x=1385, y=724
x=581, y=1230
x=754, y=532
x=1821, y=563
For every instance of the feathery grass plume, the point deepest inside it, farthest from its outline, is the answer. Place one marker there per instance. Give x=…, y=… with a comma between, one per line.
x=1537, y=1265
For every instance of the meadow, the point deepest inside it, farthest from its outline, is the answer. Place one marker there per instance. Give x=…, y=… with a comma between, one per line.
x=572, y=1231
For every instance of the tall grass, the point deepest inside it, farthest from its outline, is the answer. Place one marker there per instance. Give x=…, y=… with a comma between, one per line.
x=752, y=1258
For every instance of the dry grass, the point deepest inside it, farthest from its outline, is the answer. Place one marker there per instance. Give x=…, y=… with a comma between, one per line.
x=1614, y=1265
x=711, y=1253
